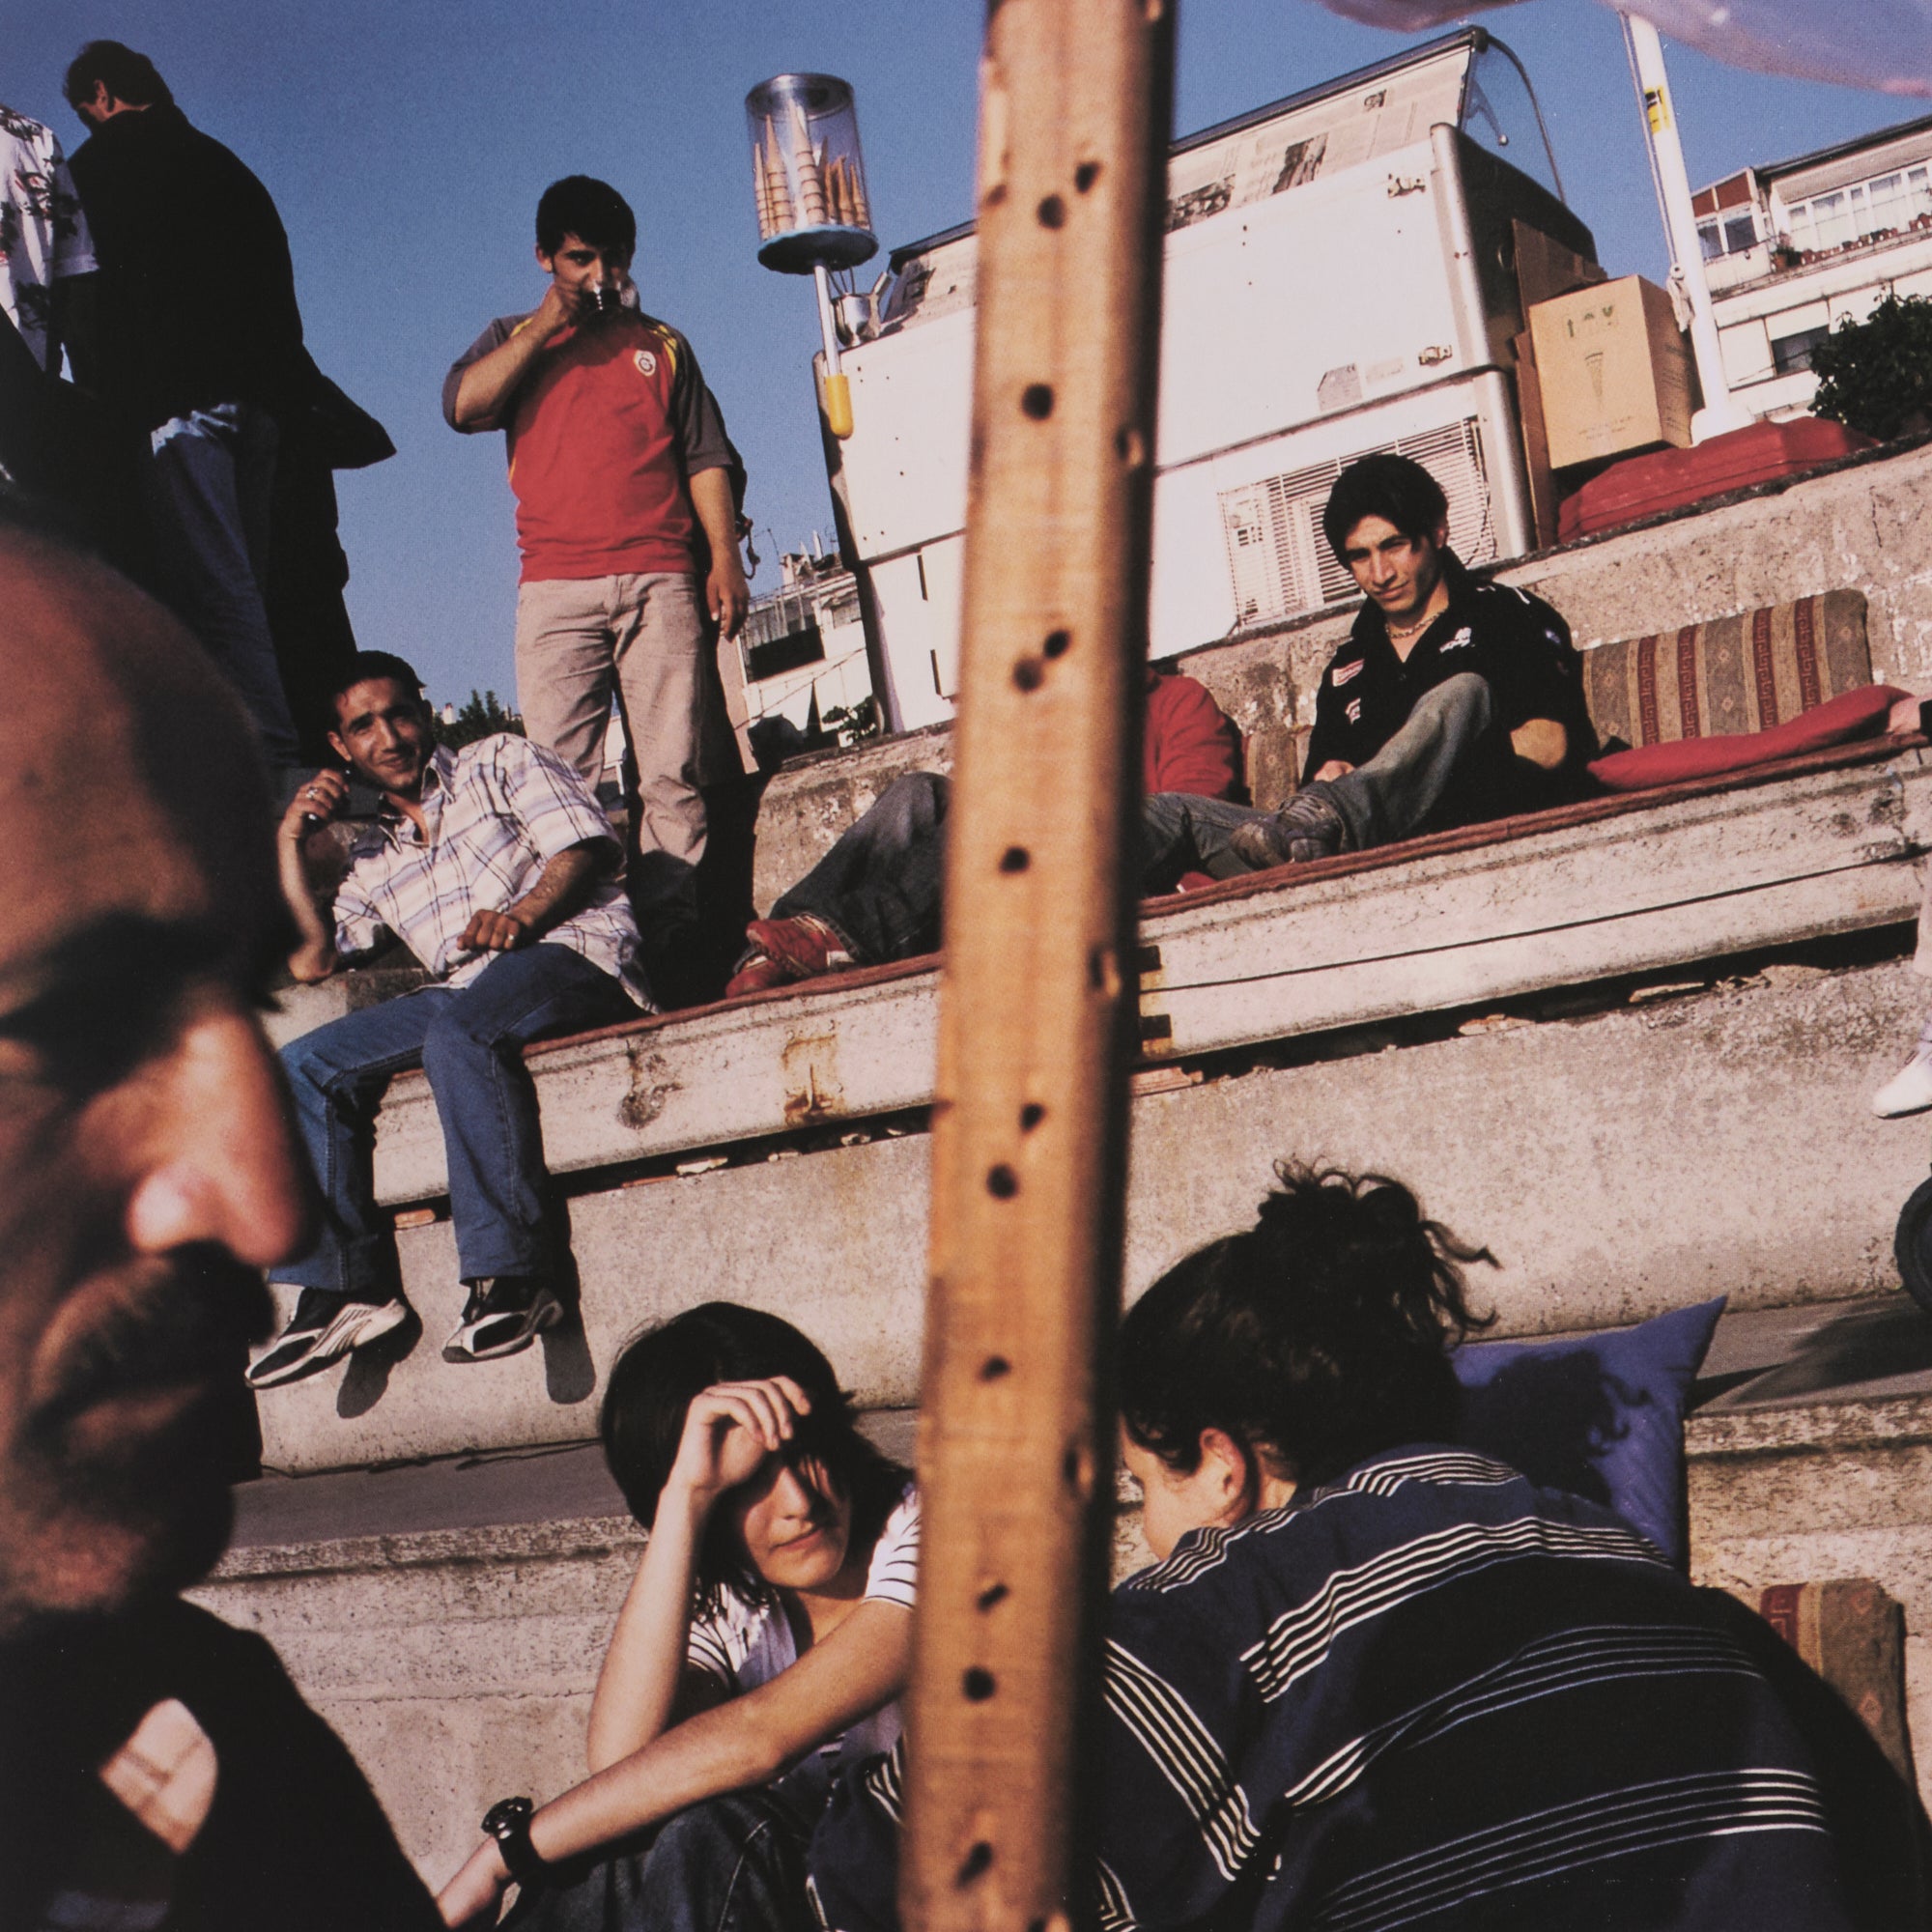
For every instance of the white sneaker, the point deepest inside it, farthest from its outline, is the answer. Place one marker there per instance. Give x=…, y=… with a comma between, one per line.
x=1909, y=1090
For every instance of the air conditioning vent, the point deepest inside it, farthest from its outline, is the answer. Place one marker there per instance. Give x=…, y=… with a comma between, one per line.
x=1280, y=562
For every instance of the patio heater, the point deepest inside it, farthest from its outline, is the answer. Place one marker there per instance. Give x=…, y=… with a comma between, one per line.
x=814, y=216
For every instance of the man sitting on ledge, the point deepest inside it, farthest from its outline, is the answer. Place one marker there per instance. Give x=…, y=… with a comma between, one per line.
x=1451, y=702
x=499, y=870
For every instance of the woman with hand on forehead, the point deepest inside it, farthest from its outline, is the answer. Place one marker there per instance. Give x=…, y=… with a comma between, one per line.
x=761, y=1649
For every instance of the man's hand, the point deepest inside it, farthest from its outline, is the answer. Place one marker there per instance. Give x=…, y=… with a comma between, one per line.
x=1335, y=768
x=726, y=596
x=494, y=932
x=1541, y=742
x=562, y=307
x=319, y=800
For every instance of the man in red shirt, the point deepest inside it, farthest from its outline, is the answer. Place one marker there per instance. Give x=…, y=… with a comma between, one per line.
x=627, y=496
x=875, y=896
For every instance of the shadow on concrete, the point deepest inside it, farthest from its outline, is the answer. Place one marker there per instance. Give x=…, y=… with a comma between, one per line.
x=1888, y=1343
x=570, y=1375
x=367, y=1379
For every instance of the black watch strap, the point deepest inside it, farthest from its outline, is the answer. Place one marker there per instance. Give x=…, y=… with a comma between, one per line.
x=508, y=1821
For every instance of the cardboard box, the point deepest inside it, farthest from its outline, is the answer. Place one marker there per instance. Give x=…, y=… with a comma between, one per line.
x=1614, y=370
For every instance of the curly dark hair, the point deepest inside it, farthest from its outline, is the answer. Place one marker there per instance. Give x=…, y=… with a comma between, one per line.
x=1395, y=487
x=661, y=1370
x=1316, y=1339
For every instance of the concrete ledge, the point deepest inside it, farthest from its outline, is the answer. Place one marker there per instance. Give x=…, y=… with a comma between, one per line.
x=1619, y=1163
x=1626, y=886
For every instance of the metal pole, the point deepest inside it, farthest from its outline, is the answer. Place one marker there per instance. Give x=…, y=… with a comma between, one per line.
x=1720, y=410
x=1038, y=993
x=838, y=387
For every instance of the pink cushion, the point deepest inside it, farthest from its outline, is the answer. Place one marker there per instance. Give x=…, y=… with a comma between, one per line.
x=1856, y=714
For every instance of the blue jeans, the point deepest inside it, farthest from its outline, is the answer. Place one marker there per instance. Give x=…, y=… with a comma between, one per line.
x=734, y=1863
x=469, y=1041
x=879, y=886
x=208, y=488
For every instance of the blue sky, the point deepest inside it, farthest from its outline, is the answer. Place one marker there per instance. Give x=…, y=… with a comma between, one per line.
x=406, y=144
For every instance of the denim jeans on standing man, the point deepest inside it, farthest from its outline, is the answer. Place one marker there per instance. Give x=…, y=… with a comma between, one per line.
x=469, y=1041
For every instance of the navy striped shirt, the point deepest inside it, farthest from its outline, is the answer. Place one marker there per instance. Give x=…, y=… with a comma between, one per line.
x=1427, y=1695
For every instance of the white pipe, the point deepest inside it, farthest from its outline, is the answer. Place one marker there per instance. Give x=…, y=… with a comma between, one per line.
x=828, y=326
x=1721, y=411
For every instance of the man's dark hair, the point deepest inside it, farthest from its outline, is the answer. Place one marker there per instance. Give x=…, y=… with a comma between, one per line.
x=1315, y=1340
x=1393, y=488
x=367, y=665
x=591, y=209
x=127, y=75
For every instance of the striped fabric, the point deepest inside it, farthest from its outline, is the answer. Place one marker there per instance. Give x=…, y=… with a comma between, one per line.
x=498, y=811
x=1432, y=1696
x=1731, y=675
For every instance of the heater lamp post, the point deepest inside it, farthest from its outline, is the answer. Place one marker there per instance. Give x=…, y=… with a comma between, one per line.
x=809, y=183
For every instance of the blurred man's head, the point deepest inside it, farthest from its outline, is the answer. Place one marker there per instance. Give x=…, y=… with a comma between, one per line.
x=147, y=1169
x=105, y=77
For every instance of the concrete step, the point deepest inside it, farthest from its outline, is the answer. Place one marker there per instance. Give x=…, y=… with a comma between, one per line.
x=1619, y=1162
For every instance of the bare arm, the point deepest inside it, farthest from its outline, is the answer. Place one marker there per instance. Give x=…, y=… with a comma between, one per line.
x=491, y=379
x=312, y=807
x=861, y=1666
x=725, y=594
x=1541, y=742
x=557, y=893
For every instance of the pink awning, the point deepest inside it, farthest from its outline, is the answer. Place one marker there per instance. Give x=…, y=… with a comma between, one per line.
x=1879, y=43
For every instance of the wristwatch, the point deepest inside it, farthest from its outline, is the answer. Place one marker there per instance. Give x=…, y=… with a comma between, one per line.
x=508, y=1821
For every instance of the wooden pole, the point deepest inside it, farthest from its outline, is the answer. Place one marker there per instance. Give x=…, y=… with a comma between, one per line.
x=1038, y=991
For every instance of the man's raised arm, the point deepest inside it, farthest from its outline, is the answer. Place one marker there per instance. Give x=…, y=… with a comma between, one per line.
x=318, y=802
x=476, y=393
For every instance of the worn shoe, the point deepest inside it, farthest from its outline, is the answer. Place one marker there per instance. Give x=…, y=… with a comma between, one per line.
x=505, y=1313
x=784, y=950
x=1909, y=1090
x=325, y=1325
x=1308, y=827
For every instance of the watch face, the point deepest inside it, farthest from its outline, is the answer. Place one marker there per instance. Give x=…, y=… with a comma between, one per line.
x=506, y=1814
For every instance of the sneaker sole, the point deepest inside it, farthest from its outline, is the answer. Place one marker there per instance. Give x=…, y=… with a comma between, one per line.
x=354, y=1328
x=545, y=1314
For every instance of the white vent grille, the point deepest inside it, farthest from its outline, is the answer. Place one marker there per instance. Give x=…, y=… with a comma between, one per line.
x=1279, y=560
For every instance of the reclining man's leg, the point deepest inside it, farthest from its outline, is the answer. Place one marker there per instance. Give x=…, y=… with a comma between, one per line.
x=1181, y=832
x=873, y=897
x=1389, y=796
x=486, y=1100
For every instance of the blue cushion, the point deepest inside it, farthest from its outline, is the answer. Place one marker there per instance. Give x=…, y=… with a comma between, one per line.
x=1598, y=1416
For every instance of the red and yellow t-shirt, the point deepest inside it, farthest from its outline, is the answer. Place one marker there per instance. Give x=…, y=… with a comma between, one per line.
x=604, y=433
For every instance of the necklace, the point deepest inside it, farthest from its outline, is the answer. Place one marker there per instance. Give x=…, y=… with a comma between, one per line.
x=1422, y=623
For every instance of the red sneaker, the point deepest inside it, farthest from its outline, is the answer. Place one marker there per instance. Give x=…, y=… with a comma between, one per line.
x=784, y=950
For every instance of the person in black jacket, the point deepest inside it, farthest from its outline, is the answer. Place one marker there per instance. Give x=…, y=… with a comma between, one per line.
x=1452, y=701
x=200, y=348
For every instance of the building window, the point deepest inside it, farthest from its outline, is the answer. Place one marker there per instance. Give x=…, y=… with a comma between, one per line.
x=1791, y=354
x=1733, y=234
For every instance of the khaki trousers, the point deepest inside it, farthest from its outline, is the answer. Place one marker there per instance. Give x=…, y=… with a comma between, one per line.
x=641, y=638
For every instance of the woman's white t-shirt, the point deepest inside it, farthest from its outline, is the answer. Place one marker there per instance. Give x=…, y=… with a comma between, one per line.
x=742, y=1644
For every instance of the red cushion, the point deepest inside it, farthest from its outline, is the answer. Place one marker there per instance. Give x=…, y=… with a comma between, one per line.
x=1854, y=713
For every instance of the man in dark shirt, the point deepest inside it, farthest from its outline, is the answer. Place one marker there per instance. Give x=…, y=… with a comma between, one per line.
x=200, y=349
x=157, y=1767
x=1452, y=701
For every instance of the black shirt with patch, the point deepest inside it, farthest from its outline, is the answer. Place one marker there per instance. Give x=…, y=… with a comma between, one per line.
x=1515, y=641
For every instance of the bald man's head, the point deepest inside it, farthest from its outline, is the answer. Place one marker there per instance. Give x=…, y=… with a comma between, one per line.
x=145, y=1166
